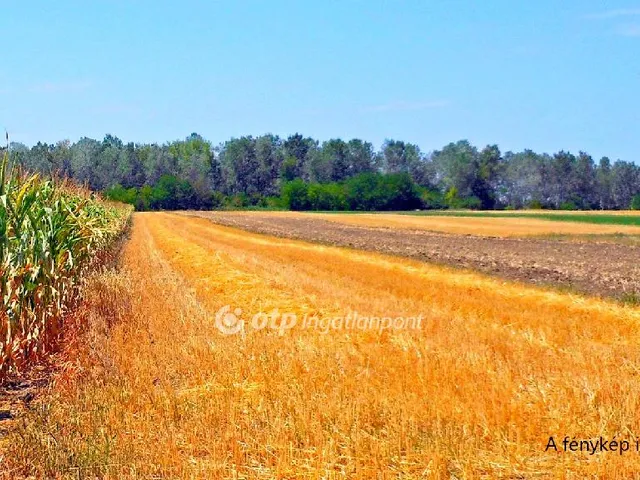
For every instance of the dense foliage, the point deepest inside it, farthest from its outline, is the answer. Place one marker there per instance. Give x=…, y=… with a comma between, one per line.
x=336, y=174
x=366, y=191
x=50, y=233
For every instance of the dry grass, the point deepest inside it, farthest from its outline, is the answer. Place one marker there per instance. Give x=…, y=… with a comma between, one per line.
x=485, y=226
x=555, y=212
x=481, y=225
x=496, y=368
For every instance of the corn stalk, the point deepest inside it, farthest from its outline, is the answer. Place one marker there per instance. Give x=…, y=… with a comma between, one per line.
x=49, y=233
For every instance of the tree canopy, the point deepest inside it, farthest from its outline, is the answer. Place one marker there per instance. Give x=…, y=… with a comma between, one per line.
x=303, y=173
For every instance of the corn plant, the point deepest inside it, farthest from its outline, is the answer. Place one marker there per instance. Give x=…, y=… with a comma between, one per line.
x=49, y=233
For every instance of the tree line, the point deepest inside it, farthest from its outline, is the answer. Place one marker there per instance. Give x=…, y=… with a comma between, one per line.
x=304, y=174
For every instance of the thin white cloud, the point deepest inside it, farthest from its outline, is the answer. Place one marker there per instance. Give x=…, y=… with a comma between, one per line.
x=625, y=30
x=629, y=30
x=616, y=13
x=57, y=87
x=406, y=106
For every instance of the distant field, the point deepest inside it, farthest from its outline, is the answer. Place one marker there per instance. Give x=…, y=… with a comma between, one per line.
x=495, y=225
x=629, y=217
x=482, y=223
x=630, y=213
x=599, y=264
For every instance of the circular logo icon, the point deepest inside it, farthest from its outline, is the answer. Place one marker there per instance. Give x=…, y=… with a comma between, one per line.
x=229, y=322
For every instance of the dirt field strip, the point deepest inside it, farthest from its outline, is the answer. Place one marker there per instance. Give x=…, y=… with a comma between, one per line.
x=596, y=268
x=494, y=369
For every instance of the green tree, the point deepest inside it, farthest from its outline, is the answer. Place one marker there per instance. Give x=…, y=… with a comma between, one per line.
x=625, y=178
x=603, y=184
x=362, y=157
x=270, y=157
x=488, y=170
x=458, y=166
x=295, y=195
x=299, y=150
x=521, y=179
x=583, y=183
x=241, y=167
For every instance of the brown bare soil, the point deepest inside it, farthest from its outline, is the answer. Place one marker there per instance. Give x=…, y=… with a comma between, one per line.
x=596, y=268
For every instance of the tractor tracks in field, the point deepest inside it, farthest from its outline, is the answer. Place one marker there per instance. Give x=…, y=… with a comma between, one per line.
x=609, y=270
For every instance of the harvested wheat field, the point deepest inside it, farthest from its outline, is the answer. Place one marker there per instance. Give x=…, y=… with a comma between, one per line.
x=471, y=383
x=489, y=225
x=600, y=265
x=483, y=226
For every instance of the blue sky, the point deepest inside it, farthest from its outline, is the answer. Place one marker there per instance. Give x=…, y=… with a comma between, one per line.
x=545, y=75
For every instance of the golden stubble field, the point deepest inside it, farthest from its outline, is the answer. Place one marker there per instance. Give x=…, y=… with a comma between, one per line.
x=602, y=265
x=494, y=370
x=482, y=225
